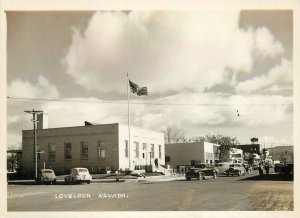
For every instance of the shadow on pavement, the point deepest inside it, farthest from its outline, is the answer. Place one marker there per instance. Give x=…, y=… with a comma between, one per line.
x=271, y=177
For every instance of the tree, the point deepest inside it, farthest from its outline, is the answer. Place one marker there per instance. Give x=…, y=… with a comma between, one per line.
x=253, y=140
x=13, y=158
x=225, y=141
x=174, y=135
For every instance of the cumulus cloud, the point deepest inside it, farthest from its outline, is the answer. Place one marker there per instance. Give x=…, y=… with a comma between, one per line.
x=167, y=51
x=178, y=53
x=278, y=78
x=265, y=43
x=206, y=110
x=26, y=89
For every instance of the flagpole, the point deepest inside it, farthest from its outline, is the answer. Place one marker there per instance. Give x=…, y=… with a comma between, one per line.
x=129, y=145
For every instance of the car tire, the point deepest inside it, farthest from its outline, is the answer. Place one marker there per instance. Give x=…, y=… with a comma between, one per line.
x=66, y=182
x=201, y=177
x=188, y=179
x=88, y=182
x=73, y=181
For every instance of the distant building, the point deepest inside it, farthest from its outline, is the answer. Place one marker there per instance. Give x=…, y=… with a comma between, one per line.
x=236, y=155
x=250, y=148
x=96, y=147
x=185, y=153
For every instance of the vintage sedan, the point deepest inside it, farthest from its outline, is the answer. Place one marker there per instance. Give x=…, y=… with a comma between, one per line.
x=194, y=173
x=287, y=170
x=46, y=176
x=236, y=169
x=208, y=169
x=78, y=175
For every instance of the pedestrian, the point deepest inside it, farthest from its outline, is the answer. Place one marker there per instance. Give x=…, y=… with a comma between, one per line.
x=156, y=162
x=267, y=167
x=182, y=170
x=177, y=169
x=260, y=170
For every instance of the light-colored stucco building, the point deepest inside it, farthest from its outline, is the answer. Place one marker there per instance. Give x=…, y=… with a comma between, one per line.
x=183, y=153
x=96, y=147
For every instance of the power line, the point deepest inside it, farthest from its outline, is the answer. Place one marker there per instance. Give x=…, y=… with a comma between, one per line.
x=144, y=103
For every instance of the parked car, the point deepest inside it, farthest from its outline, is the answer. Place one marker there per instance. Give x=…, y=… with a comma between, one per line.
x=277, y=167
x=236, y=169
x=222, y=167
x=78, y=175
x=46, y=176
x=287, y=170
x=208, y=170
x=194, y=173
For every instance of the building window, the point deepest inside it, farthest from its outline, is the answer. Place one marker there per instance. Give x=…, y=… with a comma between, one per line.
x=68, y=151
x=126, y=148
x=98, y=150
x=145, y=146
x=208, y=155
x=152, y=151
x=84, y=150
x=51, y=151
x=159, y=151
x=136, y=149
x=101, y=151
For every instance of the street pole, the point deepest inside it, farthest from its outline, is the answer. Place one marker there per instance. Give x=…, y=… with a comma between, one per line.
x=129, y=144
x=34, y=121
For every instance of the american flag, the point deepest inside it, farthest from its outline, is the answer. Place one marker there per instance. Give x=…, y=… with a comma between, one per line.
x=137, y=89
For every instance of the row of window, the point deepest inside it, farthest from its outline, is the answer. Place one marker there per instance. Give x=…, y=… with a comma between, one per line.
x=100, y=151
x=136, y=151
x=84, y=151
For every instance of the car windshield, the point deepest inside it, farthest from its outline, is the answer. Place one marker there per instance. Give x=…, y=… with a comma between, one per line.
x=201, y=166
x=82, y=171
x=47, y=171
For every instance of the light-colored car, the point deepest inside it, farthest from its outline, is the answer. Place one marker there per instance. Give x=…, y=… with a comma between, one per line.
x=236, y=169
x=46, y=176
x=222, y=167
x=78, y=175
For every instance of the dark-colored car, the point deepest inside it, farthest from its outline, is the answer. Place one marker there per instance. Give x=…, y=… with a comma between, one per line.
x=194, y=173
x=277, y=167
x=208, y=169
x=287, y=170
x=46, y=176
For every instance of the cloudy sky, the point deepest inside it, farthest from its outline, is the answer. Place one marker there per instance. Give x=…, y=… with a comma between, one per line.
x=200, y=67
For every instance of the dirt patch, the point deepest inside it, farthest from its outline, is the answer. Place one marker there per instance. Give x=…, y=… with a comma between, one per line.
x=272, y=196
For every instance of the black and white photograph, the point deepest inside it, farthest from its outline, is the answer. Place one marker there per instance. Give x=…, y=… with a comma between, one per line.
x=129, y=110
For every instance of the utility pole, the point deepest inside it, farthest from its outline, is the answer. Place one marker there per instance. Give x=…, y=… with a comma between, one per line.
x=34, y=121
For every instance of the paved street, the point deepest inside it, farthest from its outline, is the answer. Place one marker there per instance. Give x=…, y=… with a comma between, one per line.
x=224, y=193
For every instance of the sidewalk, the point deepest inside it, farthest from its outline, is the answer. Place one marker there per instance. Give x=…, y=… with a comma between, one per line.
x=162, y=178
x=150, y=179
